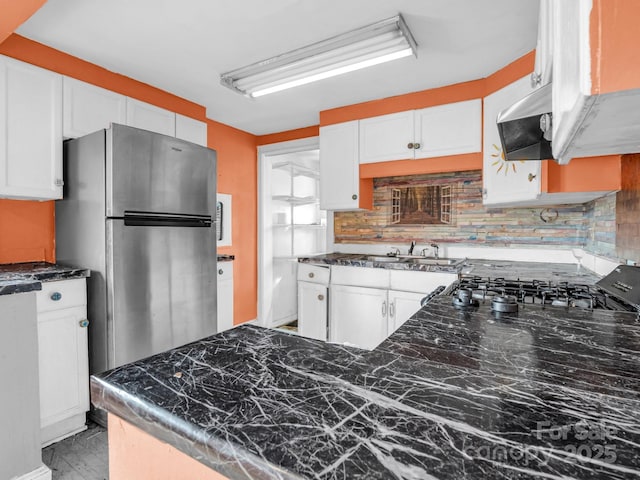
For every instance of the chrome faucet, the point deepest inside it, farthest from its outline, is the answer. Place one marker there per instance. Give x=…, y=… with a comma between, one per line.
x=395, y=251
x=435, y=247
x=413, y=245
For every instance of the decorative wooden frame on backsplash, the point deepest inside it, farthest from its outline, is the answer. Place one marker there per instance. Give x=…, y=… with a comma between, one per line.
x=422, y=204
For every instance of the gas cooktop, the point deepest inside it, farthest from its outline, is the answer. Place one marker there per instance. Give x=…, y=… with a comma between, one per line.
x=620, y=290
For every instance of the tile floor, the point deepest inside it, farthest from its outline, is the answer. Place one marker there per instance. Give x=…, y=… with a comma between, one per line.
x=81, y=457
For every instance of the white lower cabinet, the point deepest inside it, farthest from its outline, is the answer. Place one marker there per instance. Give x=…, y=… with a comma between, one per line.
x=313, y=287
x=358, y=315
x=225, y=296
x=63, y=359
x=366, y=305
x=312, y=310
x=402, y=305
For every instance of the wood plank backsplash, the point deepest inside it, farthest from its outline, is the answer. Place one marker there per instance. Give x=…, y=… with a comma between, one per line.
x=472, y=223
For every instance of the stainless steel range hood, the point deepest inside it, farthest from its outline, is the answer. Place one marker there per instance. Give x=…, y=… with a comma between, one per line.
x=525, y=127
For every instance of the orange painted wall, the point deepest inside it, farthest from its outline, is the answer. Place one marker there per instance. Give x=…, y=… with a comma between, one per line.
x=238, y=176
x=134, y=454
x=453, y=163
x=583, y=175
x=26, y=231
x=288, y=135
x=14, y=13
x=615, y=60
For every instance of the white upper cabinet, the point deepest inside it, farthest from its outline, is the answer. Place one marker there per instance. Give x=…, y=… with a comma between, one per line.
x=191, y=130
x=506, y=182
x=339, y=167
x=149, y=117
x=450, y=129
x=88, y=108
x=30, y=131
x=386, y=137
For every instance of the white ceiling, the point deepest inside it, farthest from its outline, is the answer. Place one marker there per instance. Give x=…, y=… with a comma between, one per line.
x=183, y=47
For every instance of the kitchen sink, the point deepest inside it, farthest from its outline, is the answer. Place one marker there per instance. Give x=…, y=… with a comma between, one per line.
x=383, y=258
x=414, y=259
x=436, y=261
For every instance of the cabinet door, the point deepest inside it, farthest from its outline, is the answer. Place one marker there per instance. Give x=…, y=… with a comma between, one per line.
x=387, y=137
x=225, y=296
x=191, y=130
x=450, y=129
x=30, y=131
x=64, y=364
x=402, y=305
x=358, y=316
x=88, y=108
x=506, y=182
x=149, y=117
x=312, y=310
x=339, y=167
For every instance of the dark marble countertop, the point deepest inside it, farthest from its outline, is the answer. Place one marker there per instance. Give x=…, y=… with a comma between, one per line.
x=27, y=277
x=546, y=393
x=366, y=260
x=555, y=272
x=513, y=270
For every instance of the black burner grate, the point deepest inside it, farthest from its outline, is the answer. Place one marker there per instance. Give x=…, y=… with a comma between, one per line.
x=541, y=292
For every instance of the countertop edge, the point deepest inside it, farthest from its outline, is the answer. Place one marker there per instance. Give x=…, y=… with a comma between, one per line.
x=29, y=276
x=220, y=455
x=13, y=287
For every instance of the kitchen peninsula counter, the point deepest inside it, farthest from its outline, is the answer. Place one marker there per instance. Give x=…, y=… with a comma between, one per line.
x=545, y=393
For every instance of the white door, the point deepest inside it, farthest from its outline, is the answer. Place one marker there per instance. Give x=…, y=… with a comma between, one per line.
x=358, y=316
x=339, y=167
x=30, y=131
x=191, y=130
x=149, y=117
x=64, y=364
x=451, y=129
x=402, y=305
x=225, y=296
x=506, y=182
x=312, y=310
x=387, y=137
x=88, y=108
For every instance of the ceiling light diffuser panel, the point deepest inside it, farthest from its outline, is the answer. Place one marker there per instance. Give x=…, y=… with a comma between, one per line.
x=380, y=42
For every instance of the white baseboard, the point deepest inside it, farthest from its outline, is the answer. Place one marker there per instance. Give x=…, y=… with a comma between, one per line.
x=41, y=473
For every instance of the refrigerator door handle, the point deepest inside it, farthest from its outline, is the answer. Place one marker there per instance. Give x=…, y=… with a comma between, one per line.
x=152, y=219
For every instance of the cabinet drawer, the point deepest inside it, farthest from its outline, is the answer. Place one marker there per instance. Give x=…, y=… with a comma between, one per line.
x=225, y=271
x=420, y=282
x=360, y=276
x=313, y=273
x=61, y=294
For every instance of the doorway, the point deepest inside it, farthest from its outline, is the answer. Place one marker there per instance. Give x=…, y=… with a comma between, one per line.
x=290, y=225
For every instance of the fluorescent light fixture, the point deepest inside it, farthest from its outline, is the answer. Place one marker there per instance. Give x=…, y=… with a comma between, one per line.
x=380, y=42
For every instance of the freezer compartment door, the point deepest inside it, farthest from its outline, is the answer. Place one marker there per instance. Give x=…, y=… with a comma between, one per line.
x=149, y=172
x=162, y=288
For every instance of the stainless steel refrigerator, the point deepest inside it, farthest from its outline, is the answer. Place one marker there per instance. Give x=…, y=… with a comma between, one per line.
x=139, y=211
